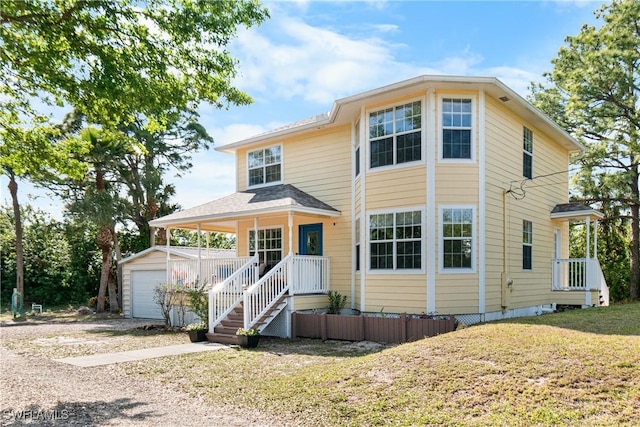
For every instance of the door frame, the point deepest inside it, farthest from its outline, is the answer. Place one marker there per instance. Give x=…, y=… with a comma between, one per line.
x=303, y=229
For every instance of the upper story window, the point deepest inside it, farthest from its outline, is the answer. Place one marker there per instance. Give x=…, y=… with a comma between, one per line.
x=396, y=241
x=395, y=135
x=357, y=160
x=456, y=128
x=265, y=165
x=527, y=153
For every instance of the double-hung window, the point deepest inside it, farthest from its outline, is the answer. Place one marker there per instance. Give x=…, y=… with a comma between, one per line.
x=457, y=238
x=265, y=166
x=395, y=135
x=396, y=241
x=456, y=128
x=269, y=245
x=527, y=153
x=527, y=245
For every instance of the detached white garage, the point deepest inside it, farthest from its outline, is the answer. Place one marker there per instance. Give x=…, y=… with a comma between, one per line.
x=141, y=273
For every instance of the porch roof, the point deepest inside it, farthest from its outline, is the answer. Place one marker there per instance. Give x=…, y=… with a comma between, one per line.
x=574, y=210
x=280, y=198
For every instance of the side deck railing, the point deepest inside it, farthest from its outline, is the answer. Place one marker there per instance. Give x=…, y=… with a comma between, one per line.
x=579, y=274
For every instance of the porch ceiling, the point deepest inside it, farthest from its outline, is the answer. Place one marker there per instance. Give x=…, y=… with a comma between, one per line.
x=222, y=214
x=575, y=211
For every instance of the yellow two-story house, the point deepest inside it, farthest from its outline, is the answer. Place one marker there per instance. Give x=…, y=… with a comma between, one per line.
x=436, y=195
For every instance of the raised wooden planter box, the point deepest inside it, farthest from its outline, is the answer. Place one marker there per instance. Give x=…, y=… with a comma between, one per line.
x=360, y=328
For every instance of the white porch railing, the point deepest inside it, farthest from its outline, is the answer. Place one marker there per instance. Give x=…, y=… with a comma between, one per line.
x=577, y=274
x=295, y=274
x=310, y=275
x=226, y=295
x=212, y=270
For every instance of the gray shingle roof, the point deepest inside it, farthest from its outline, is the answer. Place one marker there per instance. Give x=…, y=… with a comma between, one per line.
x=569, y=209
x=283, y=197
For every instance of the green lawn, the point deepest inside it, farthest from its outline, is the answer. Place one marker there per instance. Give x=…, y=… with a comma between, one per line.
x=579, y=367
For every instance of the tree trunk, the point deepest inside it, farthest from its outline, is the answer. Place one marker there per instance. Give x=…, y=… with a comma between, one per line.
x=13, y=189
x=634, y=262
x=114, y=307
x=104, y=243
x=118, y=299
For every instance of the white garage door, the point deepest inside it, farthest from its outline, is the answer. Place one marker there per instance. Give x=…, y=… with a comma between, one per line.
x=142, y=284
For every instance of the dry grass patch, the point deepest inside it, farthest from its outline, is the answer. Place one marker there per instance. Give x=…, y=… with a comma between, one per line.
x=572, y=368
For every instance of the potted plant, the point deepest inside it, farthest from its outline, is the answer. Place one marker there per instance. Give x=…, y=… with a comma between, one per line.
x=248, y=338
x=197, y=331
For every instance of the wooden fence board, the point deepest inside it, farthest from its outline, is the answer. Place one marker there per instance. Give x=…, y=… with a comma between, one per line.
x=370, y=328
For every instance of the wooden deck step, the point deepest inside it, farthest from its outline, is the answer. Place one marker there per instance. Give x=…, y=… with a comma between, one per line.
x=222, y=338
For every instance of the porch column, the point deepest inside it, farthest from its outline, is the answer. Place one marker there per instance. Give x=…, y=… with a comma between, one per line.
x=199, y=255
x=588, y=255
x=257, y=243
x=168, y=247
x=207, y=238
x=595, y=239
x=290, y=215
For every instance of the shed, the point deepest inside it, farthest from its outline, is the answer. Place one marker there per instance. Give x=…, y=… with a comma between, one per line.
x=143, y=271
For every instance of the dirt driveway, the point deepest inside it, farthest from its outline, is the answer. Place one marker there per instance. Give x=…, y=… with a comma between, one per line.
x=35, y=390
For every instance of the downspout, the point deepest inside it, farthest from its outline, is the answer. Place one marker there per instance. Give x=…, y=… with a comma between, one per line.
x=506, y=281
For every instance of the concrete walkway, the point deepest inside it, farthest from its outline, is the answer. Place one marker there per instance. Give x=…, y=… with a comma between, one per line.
x=145, y=353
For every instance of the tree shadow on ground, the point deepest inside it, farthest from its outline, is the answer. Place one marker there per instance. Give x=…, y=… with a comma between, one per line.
x=118, y=411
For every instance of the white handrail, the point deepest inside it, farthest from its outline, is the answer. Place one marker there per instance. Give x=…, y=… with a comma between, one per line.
x=226, y=295
x=260, y=297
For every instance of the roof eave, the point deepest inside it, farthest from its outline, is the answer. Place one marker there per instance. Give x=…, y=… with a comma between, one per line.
x=572, y=145
x=577, y=214
x=243, y=214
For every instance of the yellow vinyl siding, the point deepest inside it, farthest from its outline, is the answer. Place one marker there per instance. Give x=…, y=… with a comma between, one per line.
x=396, y=293
x=396, y=188
x=538, y=197
x=310, y=302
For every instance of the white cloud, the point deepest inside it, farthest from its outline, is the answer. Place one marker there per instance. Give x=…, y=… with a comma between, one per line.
x=315, y=64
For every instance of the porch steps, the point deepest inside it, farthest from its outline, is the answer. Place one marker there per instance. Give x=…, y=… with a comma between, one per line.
x=225, y=333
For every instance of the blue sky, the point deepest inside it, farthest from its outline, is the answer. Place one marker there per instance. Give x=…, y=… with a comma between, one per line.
x=310, y=53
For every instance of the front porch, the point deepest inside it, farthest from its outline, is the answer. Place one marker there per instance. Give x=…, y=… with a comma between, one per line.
x=279, y=232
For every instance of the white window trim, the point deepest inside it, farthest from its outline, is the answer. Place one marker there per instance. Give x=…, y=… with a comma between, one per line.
x=474, y=127
x=251, y=229
x=527, y=244
x=474, y=241
x=525, y=151
x=266, y=184
x=367, y=241
x=423, y=130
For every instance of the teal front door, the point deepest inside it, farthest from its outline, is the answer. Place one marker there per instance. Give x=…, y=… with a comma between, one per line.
x=310, y=239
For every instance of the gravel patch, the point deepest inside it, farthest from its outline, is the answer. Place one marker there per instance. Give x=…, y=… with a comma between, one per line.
x=35, y=390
